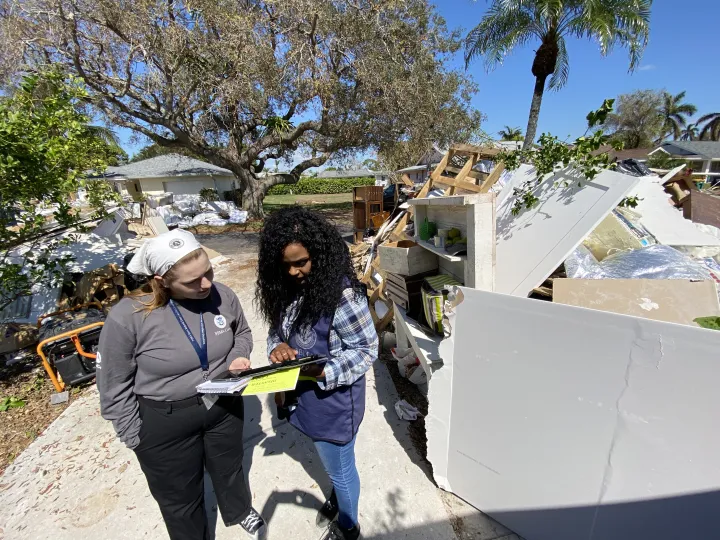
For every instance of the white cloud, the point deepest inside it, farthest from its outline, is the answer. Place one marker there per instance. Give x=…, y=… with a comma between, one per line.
x=647, y=67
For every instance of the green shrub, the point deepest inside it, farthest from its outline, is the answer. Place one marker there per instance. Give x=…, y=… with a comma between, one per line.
x=320, y=186
x=209, y=194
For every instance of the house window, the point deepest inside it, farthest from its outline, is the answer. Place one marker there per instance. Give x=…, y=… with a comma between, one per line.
x=715, y=167
x=697, y=166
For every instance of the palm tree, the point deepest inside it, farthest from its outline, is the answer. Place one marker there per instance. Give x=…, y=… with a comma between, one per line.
x=674, y=114
x=711, y=129
x=511, y=134
x=690, y=133
x=509, y=23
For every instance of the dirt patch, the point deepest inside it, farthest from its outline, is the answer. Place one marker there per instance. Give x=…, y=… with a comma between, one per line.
x=28, y=382
x=248, y=226
x=410, y=393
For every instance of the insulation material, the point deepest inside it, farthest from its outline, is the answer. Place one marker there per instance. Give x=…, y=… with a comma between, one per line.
x=187, y=208
x=169, y=214
x=532, y=244
x=672, y=300
x=665, y=222
x=209, y=218
x=570, y=423
x=654, y=262
x=615, y=233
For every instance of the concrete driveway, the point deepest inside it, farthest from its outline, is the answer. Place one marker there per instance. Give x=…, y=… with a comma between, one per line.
x=77, y=482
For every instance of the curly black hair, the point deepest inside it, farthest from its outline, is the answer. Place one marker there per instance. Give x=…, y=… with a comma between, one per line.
x=331, y=273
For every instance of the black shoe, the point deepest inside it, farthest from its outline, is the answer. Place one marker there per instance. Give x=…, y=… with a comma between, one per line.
x=328, y=512
x=336, y=532
x=254, y=525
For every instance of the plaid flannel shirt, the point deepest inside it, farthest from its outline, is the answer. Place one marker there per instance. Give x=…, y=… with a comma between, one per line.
x=353, y=341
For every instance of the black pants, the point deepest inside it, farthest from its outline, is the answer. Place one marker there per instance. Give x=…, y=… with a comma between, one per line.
x=176, y=440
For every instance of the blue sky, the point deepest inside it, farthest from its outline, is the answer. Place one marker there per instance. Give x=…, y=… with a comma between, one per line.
x=681, y=55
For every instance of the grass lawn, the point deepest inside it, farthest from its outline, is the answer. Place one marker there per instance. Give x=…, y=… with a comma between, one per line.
x=334, y=201
x=337, y=207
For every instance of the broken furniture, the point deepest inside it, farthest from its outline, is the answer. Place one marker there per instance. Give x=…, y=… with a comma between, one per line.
x=702, y=207
x=456, y=173
x=68, y=343
x=474, y=216
x=567, y=422
x=367, y=201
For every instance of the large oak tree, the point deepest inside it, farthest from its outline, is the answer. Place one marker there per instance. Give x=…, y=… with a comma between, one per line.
x=244, y=82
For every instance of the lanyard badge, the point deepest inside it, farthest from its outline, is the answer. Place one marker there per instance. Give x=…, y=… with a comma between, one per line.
x=200, y=348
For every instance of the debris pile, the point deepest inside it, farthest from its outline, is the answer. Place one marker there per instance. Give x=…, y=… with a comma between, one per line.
x=186, y=211
x=96, y=277
x=581, y=345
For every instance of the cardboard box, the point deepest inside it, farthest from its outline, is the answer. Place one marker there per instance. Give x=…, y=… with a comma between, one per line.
x=406, y=258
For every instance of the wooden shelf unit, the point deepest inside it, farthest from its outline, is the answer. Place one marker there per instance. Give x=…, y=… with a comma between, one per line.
x=367, y=200
x=474, y=215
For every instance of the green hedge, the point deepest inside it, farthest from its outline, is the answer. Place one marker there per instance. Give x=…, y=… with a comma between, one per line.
x=320, y=186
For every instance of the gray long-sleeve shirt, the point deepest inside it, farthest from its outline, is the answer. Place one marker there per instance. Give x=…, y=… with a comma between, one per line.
x=149, y=355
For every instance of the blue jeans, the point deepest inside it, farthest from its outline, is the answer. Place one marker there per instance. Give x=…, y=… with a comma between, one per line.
x=339, y=462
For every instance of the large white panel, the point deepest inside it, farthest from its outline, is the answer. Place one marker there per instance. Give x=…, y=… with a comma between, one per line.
x=665, y=222
x=531, y=245
x=568, y=423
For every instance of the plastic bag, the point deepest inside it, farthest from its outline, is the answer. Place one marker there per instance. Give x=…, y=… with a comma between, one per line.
x=209, y=218
x=169, y=214
x=405, y=411
x=653, y=262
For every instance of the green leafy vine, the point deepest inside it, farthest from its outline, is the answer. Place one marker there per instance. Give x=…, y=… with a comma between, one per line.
x=552, y=154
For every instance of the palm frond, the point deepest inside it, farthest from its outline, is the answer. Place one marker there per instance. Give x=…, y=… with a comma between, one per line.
x=104, y=133
x=505, y=25
x=562, y=68
x=711, y=129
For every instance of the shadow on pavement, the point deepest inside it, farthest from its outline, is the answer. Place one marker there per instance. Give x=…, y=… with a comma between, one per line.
x=288, y=440
x=387, y=396
x=251, y=431
x=669, y=518
x=296, y=497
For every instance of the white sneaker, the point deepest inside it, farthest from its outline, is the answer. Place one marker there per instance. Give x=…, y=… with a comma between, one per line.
x=254, y=525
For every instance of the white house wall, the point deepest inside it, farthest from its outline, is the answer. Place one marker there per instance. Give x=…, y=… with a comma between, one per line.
x=185, y=185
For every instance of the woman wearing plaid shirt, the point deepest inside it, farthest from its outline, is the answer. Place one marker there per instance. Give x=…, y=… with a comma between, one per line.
x=314, y=304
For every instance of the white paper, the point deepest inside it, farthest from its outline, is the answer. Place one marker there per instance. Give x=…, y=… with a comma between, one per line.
x=222, y=387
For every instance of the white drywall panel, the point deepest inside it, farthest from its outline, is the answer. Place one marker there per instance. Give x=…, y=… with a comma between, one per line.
x=568, y=423
x=532, y=244
x=665, y=222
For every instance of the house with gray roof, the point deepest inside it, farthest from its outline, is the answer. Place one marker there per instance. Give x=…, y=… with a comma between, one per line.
x=171, y=173
x=703, y=156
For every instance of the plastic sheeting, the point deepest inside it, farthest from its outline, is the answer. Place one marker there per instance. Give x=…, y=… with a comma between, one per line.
x=189, y=211
x=169, y=214
x=654, y=262
x=209, y=218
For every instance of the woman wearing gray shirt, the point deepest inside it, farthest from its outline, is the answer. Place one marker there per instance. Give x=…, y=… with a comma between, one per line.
x=155, y=348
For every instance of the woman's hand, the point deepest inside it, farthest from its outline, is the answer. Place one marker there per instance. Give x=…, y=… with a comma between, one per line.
x=283, y=353
x=240, y=364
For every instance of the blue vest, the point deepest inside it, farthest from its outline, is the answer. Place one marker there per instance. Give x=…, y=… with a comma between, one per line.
x=332, y=416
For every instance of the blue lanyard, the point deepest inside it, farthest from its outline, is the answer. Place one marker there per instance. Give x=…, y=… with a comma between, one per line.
x=200, y=348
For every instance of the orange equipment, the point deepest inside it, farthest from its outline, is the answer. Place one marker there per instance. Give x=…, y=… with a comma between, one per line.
x=56, y=349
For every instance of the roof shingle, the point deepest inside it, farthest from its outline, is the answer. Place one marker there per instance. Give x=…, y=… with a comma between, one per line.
x=168, y=165
x=706, y=149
